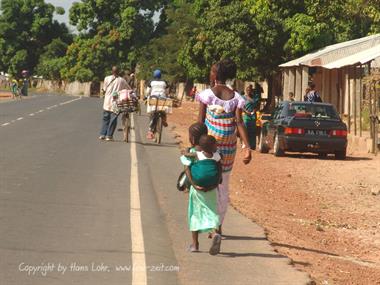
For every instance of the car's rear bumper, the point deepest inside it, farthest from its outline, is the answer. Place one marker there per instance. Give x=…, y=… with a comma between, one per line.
x=313, y=144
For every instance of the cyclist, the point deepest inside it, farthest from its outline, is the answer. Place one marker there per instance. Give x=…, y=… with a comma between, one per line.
x=156, y=88
x=14, y=88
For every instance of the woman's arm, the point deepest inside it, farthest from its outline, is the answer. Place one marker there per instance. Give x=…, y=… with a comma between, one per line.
x=202, y=112
x=243, y=135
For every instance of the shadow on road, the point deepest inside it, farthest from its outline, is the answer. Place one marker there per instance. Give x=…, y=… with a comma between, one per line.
x=226, y=237
x=330, y=157
x=303, y=248
x=158, y=145
x=266, y=255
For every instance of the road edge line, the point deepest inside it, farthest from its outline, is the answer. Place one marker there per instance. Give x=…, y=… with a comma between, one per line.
x=139, y=270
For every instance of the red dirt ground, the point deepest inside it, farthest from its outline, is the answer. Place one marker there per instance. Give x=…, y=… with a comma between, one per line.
x=319, y=212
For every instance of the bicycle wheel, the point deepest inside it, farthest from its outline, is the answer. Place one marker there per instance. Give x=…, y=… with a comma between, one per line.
x=139, y=108
x=158, y=130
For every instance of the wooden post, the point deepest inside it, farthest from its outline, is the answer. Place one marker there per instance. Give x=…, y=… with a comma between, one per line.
x=285, y=91
x=349, y=98
x=298, y=84
x=355, y=100
x=291, y=81
x=305, y=80
x=361, y=101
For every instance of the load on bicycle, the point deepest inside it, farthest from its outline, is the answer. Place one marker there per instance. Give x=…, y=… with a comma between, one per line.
x=125, y=102
x=158, y=105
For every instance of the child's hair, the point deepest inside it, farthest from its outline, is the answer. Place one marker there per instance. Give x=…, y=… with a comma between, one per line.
x=207, y=143
x=196, y=130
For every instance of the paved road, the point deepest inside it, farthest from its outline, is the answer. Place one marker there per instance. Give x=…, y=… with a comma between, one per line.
x=94, y=209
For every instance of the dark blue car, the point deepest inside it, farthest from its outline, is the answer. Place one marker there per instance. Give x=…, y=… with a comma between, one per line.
x=304, y=127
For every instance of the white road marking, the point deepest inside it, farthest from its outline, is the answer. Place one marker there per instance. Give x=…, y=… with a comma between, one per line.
x=139, y=276
x=70, y=101
x=40, y=111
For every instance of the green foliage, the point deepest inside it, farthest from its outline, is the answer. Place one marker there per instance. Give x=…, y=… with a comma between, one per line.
x=52, y=61
x=223, y=31
x=26, y=27
x=306, y=34
x=111, y=34
x=176, y=25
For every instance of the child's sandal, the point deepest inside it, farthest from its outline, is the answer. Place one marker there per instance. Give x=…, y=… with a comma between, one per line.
x=192, y=248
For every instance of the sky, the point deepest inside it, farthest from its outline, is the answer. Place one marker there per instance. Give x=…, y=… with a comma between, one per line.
x=66, y=4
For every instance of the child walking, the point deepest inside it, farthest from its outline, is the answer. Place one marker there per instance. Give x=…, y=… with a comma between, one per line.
x=204, y=171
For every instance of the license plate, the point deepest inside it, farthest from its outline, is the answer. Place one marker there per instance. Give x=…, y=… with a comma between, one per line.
x=316, y=132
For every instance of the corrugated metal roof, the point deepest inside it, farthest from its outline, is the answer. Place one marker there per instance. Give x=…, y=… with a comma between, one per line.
x=336, y=52
x=357, y=58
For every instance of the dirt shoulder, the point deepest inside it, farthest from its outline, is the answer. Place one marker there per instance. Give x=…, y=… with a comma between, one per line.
x=321, y=213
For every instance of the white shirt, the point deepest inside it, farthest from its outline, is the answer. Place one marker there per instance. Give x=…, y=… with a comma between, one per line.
x=216, y=156
x=158, y=88
x=111, y=86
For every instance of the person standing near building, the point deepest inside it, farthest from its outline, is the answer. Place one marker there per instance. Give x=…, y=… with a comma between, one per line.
x=112, y=83
x=312, y=95
x=252, y=105
x=24, y=83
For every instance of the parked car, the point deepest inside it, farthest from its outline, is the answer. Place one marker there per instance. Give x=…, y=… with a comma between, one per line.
x=304, y=127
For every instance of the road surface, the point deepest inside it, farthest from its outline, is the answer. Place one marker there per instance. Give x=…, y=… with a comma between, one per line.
x=76, y=210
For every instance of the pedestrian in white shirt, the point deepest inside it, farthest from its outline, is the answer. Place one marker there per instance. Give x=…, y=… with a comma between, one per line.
x=112, y=83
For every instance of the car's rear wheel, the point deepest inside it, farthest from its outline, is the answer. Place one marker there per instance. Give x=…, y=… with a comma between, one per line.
x=322, y=155
x=263, y=148
x=278, y=151
x=341, y=154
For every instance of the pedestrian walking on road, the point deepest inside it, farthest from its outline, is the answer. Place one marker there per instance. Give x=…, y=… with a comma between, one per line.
x=252, y=105
x=204, y=171
x=112, y=83
x=221, y=110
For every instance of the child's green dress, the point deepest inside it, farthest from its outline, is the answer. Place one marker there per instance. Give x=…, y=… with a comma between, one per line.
x=202, y=210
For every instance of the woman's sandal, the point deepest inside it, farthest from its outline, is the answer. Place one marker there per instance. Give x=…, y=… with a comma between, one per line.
x=215, y=246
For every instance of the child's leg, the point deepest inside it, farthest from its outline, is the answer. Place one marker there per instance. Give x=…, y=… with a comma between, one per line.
x=195, y=244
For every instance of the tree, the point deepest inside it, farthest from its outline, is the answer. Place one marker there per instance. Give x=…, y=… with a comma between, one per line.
x=176, y=25
x=26, y=28
x=225, y=29
x=52, y=61
x=111, y=33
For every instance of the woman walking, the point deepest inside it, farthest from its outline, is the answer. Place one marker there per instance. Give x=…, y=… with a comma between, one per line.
x=221, y=110
x=252, y=104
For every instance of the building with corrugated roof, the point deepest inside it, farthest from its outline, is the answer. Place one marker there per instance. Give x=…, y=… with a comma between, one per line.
x=337, y=71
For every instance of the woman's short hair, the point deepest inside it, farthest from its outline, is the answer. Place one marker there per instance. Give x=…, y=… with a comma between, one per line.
x=225, y=69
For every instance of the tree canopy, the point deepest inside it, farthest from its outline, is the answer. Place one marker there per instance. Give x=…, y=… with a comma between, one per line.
x=26, y=28
x=187, y=39
x=110, y=34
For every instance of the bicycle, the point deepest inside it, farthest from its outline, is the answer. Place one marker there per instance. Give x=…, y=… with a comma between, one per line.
x=16, y=92
x=126, y=108
x=159, y=106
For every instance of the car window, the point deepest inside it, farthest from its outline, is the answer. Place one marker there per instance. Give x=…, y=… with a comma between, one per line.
x=312, y=111
x=277, y=112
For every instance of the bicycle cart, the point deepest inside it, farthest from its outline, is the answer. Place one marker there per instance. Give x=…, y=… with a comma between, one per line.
x=126, y=107
x=159, y=107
